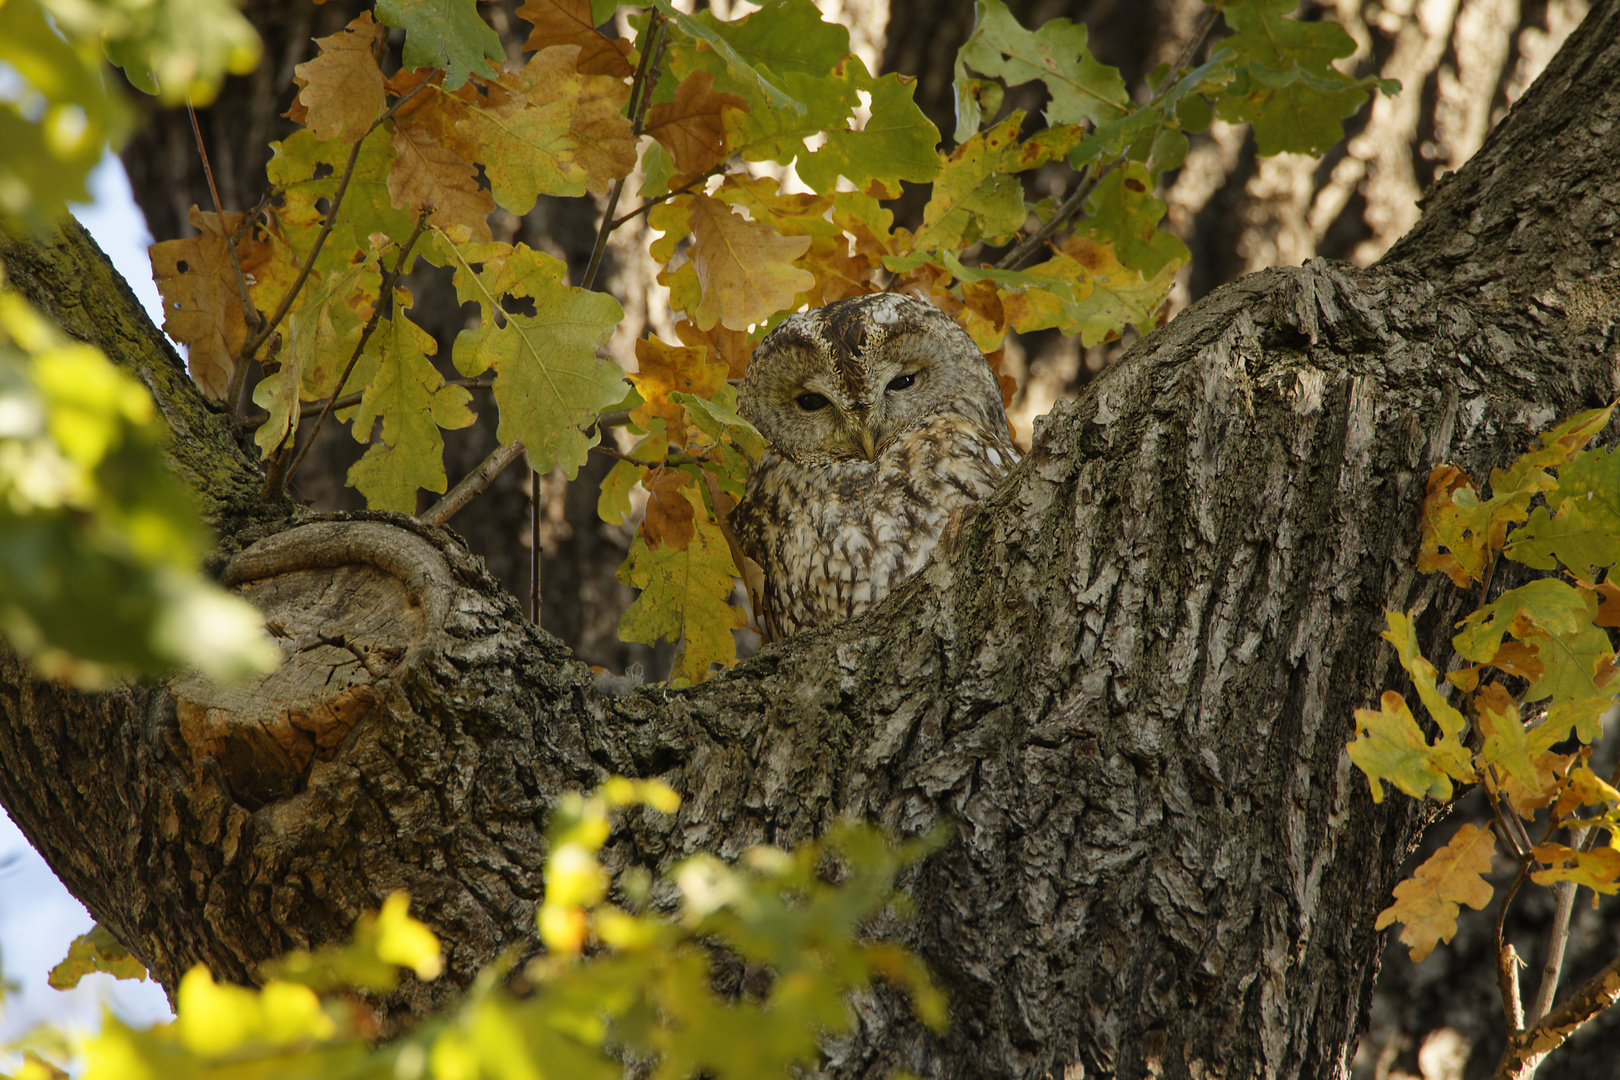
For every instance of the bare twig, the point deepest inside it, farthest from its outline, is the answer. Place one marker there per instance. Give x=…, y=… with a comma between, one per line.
x=1507, y=959
x=640, y=98
x=535, y=495
x=249, y=313
x=384, y=295
x=1558, y=934
x=668, y=195
x=1527, y=1049
x=471, y=484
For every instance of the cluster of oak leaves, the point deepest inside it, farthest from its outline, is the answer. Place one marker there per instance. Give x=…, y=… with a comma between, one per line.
x=392, y=169
x=1536, y=688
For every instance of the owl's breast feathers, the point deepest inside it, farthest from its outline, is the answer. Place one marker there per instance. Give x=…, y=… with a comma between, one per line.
x=835, y=537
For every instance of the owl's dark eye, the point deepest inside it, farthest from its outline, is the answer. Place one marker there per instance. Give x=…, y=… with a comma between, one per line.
x=902, y=382
x=811, y=402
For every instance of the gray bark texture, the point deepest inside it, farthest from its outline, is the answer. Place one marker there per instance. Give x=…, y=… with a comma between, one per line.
x=1128, y=687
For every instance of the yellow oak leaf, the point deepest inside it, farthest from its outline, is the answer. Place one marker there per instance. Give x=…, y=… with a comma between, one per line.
x=664, y=370
x=1586, y=788
x=1390, y=746
x=691, y=125
x=426, y=173
x=685, y=596
x=568, y=22
x=745, y=268
x=1428, y=902
x=722, y=346
x=549, y=130
x=1598, y=869
x=341, y=91
x=669, y=512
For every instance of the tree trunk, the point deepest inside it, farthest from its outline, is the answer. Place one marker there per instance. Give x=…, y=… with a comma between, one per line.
x=1129, y=687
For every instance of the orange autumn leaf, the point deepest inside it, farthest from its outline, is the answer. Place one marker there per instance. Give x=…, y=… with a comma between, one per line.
x=745, y=269
x=666, y=369
x=1427, y=902
x=428, y=174
x=568, y=22
x=691, y=125
x=1008, y=384
x=202, y=299
x=341, y=91
x=669, y=512
x=1598, y=869
x=722, y=346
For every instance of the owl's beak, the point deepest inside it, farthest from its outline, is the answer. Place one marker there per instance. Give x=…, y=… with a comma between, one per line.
x=868, y=443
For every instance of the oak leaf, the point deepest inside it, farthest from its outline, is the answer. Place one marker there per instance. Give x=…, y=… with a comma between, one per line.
x=569, y=22
x=666, y=369
x=1598, y=869
x=427, y=174
x=722, y=346
x=202, y=300
x=1428, y=902
x=341, y=91
x=692, y=126
x=669, y=513
x=745, y=268
x=684, y=596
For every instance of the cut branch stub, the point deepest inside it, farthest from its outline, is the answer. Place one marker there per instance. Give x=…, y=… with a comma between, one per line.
x=355, y=605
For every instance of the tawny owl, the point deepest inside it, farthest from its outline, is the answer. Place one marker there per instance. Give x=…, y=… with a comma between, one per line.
x=881, y=418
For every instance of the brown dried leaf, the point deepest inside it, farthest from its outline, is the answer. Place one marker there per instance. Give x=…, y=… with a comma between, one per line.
x=426, y=173
x=669, y=513
x=342, y=90
x=691, y=125
x=1427, y=902
x=722, y=346
x=568, y=22
x=202, y=299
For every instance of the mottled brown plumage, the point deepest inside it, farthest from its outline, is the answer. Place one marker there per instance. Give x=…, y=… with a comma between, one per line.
x=881, y=419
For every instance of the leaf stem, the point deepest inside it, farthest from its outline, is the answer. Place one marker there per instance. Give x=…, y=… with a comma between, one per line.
x=384, y=294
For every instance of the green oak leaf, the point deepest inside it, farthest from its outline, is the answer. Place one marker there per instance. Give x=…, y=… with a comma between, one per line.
x=448, y=34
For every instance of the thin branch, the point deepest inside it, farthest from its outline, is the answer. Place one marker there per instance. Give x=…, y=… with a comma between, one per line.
x=668, y=195
x=640, y=98
x=233, y=392
x=385, y=293
x=1507, y=959
x=471, y=484
x=1527, y=1049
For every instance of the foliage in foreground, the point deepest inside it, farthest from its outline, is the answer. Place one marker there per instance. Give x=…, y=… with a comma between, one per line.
x=1535, y=687
x=99, y=541
x=616, y=982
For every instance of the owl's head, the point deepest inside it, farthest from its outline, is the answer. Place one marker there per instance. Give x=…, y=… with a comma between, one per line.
x=849, y=379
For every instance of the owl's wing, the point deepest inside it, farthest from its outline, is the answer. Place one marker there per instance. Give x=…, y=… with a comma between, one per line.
x=753, y=574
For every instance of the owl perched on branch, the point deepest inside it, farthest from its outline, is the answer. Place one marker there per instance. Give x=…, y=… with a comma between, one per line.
x=882, y=418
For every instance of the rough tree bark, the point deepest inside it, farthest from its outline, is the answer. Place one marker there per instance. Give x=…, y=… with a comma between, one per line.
x=1129, y=686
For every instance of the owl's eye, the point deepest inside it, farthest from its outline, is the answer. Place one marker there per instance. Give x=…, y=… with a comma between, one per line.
x=811, y=402
x=902, y=382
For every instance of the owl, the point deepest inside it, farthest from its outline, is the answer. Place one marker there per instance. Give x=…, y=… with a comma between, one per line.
x=881, y=418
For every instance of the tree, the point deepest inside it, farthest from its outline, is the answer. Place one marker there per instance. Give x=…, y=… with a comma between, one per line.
x=1130, y=684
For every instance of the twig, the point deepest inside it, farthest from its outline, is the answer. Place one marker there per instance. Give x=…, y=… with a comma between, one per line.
x=668, y=195
x=535, y=495
x=1527, y=1049
x=641, y=97
x=471, y=484
x=384, y=294
x=1507, y=959
x=250, y=314
x=1558, y=935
